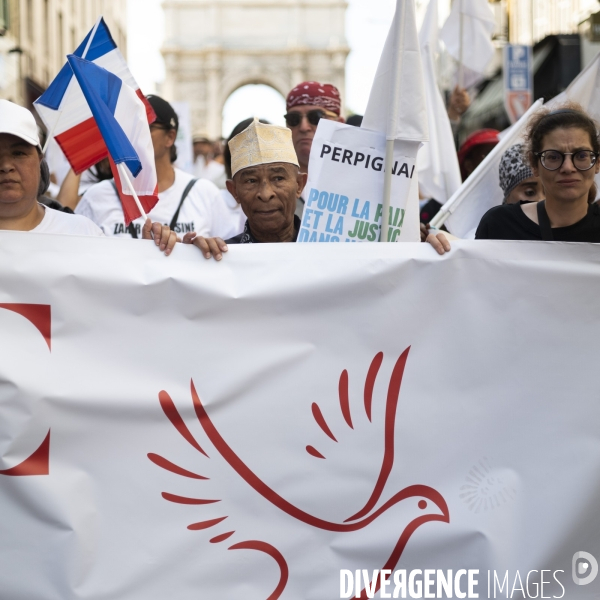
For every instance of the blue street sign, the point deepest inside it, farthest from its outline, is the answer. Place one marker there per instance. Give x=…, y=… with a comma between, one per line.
x=518, y=80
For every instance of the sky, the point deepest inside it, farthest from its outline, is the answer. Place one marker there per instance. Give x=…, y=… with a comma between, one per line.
x=367, y=24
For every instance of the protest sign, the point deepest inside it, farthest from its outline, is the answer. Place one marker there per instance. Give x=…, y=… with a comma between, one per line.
x=266, y=426
x=344, y=193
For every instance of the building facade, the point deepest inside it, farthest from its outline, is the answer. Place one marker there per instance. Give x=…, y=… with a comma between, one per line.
x=561, y=33
x=36, y=36
x=530, y=21
x=213, y=47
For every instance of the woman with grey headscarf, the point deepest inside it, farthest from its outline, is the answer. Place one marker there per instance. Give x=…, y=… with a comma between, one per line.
x=517, y=179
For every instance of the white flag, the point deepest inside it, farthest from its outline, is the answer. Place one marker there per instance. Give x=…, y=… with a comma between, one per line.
x=396, y=105
x=481, y=191
x=439, y=172
x=584, y=89
x=475, y=50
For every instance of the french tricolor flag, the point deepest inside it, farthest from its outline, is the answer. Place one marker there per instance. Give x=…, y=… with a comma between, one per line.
x=121, y=119
x=66, y=114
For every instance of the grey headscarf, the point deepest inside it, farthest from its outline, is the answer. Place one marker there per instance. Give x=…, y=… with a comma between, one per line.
x=514, y=169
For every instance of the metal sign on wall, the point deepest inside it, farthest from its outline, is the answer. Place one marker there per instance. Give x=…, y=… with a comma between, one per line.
x=518, y=80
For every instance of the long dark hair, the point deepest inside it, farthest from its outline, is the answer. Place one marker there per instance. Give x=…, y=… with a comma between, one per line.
x=545, y=121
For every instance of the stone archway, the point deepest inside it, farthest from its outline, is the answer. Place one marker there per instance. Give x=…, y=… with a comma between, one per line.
x=213, y=47
x=252, y=98
x=279, y=86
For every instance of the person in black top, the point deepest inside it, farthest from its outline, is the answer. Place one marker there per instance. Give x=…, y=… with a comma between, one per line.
x=511, y=222
x=563, y=149
x=266, y=181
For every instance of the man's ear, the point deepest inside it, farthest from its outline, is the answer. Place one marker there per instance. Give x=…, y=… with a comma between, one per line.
x=231, y=188
x=301, y=179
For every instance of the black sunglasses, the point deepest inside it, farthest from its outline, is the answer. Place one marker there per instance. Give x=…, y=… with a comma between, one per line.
x=293, y=119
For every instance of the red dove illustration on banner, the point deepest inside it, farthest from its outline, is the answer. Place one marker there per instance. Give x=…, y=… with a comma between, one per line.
x=38, y=463
x=429, y=504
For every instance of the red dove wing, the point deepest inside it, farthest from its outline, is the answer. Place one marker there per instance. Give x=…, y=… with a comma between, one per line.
x=173, y=415
x=389, y=424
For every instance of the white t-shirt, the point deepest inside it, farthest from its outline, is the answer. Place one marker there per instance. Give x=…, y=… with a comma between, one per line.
x=101, y=204
x=55, y=221
x=229, y=218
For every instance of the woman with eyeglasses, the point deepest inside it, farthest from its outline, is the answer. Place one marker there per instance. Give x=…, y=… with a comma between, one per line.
x=563, y=149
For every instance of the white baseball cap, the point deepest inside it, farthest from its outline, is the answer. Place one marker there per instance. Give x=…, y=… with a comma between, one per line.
x=19, y=121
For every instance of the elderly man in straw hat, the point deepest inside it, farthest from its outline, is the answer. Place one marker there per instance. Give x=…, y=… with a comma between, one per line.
x=266, y=181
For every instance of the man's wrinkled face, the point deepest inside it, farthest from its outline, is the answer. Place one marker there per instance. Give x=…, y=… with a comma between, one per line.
x=19, y=170
x=268, y=196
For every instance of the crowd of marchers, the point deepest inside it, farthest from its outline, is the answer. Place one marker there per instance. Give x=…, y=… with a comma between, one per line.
x=262, y=169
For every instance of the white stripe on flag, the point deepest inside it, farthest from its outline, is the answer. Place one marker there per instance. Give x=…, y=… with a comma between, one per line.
x=130, y=113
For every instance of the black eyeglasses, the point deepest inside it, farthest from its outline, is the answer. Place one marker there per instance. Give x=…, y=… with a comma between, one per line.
x=583, y=160
x=293, y=119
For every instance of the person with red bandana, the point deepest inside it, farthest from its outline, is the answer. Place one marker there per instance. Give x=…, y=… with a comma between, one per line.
x=306, y=105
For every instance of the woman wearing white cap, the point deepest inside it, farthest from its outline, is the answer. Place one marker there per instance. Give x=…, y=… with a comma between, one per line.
x=20, y=176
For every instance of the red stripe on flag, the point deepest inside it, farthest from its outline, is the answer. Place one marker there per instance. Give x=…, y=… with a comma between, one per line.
x=149, y=110
x=83, y=145
x=130, y=208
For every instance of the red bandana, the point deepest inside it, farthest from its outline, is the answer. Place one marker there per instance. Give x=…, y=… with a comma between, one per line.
x=314, y=93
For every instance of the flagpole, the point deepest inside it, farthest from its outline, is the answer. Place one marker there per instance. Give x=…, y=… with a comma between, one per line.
x=85, y=51
x=461, y=71
x=51, y=134
x=387, y=190
x=389, y=144
x=89, y=42
x=440, y=218
x=123, y=174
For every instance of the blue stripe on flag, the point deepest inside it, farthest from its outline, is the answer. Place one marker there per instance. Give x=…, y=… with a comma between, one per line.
x=53, y=96
x=102, y=44
x=101, y=90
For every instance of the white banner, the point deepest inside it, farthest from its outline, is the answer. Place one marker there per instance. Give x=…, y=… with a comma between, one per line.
x=344, y=192
x=266, y=426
